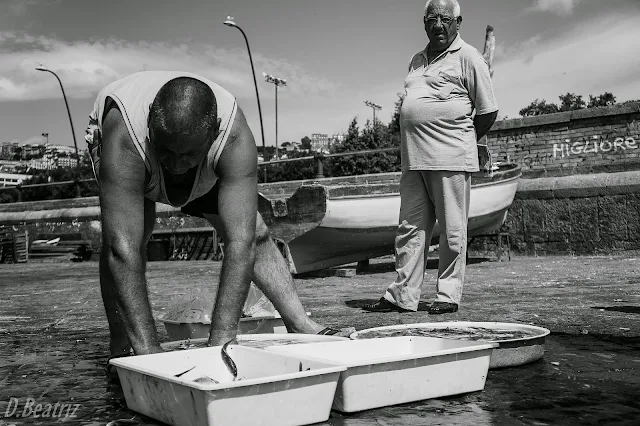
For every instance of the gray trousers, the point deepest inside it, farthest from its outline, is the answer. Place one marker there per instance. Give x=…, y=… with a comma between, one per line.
x=427, y=196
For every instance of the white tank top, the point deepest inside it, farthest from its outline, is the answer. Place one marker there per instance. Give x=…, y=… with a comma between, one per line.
x=134, y=95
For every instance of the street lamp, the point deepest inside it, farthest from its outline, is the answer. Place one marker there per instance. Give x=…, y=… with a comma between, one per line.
x=231, y=23
x=73, y=133
x=46, y=137
x=375, y=108
x=276, y=82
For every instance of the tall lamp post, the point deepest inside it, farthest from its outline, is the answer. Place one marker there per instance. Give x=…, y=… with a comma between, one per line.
x=375, y=107
x=231, y=23
x=276, y=82
x=73, y=133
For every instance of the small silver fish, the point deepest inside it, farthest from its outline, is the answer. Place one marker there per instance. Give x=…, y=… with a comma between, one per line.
x=206, y=380
x=228, y=362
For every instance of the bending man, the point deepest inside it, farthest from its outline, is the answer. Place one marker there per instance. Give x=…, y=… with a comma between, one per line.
x=180, y=139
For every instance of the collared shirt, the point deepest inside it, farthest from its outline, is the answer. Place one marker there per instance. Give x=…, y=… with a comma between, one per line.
x=441, y=99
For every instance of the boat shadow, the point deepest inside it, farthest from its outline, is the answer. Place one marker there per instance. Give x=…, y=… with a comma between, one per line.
x=389, y=266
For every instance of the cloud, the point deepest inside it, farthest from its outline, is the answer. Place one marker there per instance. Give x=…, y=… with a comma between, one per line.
x=559, y=7
x=21, y=7
x=86, y=66
x=579, y=60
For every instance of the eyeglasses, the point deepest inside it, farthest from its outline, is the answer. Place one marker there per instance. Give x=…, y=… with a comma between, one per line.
x=445, y=20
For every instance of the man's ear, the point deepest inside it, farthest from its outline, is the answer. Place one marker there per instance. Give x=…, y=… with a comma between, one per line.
x=458, y=22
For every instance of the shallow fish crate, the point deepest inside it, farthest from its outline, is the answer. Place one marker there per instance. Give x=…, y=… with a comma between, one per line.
x=251, y=325
x=273, y=388
x=256, y=340
x=397, y=370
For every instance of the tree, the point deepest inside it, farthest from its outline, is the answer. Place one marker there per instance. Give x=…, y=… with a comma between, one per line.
x=606, y=99
x=571, y=102
x=305, y=143
x=372, y=137
x=538, y=108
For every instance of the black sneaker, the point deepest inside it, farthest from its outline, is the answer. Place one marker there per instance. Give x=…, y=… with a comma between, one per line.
x=383, y=305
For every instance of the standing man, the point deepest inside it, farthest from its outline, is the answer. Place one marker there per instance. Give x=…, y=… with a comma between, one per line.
x=180, y=139
x=449, y=106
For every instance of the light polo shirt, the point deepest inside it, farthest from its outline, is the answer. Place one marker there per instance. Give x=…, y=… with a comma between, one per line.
x=436, y=117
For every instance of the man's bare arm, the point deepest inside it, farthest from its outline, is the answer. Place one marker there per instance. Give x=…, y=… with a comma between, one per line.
x=237, y=210
x=127, y=221
x=483, y=123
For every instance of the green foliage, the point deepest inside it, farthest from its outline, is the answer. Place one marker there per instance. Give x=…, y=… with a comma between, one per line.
x=568, y=102
x=538, y=108
x=372, y=137
x=295, y=170
x=571, y=102
x=606, y=99
x=305, y=143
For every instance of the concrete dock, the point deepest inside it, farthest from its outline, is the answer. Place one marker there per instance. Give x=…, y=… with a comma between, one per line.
x=54, y=339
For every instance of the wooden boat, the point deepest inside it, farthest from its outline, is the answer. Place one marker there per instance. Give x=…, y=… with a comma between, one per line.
x=333, y=222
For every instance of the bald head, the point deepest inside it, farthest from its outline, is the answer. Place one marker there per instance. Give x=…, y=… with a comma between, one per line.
x=183, y=123
x=183, y=108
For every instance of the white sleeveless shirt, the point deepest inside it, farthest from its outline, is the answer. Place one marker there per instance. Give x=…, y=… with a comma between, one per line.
x=134, y=95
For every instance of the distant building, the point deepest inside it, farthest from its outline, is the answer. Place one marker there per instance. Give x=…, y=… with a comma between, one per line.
x=32, y=151
x=12, y=179
x=67, y=162
x=320, y=142
x=9, y=166
x=8, y=149
x=337, y=138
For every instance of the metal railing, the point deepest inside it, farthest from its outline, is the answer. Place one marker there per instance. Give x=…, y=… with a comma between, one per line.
x=318, y=159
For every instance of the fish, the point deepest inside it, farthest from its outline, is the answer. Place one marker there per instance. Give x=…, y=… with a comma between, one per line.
x=184, y=372
x=206, y=380
x=228, y=362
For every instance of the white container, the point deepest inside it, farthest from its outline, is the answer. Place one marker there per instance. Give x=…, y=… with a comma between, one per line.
x=272, y=391
x=257, y=340
x=511, y=351
x=250, y=325
x=398, y=370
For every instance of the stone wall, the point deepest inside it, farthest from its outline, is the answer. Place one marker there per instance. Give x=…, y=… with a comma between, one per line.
x=594, y=140
x=584, y=214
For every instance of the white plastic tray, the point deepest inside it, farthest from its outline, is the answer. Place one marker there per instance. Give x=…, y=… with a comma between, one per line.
x=398, y=370
x=275, y=389
x=257, y=340
x=251, y=325
x=510, y=353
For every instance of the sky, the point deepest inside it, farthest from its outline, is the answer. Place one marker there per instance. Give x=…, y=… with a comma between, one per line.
x=334, y=54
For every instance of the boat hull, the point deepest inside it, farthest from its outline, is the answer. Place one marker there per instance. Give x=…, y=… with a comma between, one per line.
x=361, y=227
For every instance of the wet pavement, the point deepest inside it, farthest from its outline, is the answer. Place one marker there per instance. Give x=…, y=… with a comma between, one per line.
x=54, y=340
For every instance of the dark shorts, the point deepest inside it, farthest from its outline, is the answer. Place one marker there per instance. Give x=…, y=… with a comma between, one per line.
x=208, y=203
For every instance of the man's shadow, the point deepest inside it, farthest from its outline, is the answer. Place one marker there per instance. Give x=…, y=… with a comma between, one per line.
x=385, y=267
x=423, y=306
x=389, y=266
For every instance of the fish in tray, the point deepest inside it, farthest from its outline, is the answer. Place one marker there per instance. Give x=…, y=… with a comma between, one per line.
x=202, y=376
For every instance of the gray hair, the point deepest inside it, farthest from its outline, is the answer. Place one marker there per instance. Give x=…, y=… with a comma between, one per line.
x=456, y=7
